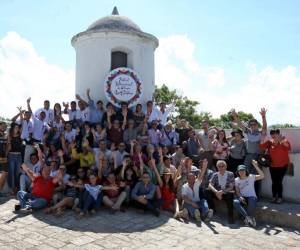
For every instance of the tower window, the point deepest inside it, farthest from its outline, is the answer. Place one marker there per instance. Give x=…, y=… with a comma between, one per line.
x=118, y=59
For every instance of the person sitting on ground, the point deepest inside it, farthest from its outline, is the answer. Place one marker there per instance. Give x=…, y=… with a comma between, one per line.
x=167, y=190
x=245, y=191
x=35, y=167
x=129, y=174
x=70, y=194
x=221, y=186
x=92, y=197
x=144, y=195
x=183, y=170
x=115, y=195
x=195, y=205
x=42, y=189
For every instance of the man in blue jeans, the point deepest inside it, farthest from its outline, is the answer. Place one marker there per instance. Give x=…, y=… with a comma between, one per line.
x=194, y=203
x=42, y=189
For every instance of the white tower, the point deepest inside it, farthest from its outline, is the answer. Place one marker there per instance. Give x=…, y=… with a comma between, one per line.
x=111, y=42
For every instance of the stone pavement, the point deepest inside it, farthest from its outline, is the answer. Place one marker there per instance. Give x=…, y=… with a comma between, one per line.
x=132, y=230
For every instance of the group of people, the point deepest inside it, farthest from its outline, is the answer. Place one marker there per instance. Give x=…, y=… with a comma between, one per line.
x=85, y=155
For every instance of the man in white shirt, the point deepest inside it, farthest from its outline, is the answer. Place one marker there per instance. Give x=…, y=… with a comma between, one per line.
x=152, y=112
x=164, y=112
x=69, y=133
x=40, y=126
x=35, y=166
x=193, y=198
x=49, y=113
x=73, y=113
x=84, y=112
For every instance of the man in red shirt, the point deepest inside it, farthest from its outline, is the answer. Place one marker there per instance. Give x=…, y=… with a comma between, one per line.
x=42, y=189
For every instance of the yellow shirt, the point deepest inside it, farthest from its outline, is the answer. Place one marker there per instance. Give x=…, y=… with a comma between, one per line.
x=86, y=160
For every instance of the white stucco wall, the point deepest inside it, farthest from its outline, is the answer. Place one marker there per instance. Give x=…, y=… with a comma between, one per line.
x=291, y=184
x=93, y=61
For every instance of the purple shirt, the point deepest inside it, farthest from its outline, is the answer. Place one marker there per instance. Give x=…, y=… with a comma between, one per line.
x=154, y=136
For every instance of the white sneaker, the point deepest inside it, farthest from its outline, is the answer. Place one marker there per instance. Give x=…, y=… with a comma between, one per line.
x=209, y=215
x=247, y=221
x=197, y=215
x=252, y=222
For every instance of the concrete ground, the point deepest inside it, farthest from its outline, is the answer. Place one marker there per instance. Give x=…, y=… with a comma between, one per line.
x=132, y=230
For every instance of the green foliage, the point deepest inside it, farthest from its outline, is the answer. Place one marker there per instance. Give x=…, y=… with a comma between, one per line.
x=286, y=125
x=184, y=107
x=187, y=109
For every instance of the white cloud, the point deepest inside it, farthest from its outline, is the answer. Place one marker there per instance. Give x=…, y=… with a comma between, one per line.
x=277, y=90
x=176, y=65
x=24, y=73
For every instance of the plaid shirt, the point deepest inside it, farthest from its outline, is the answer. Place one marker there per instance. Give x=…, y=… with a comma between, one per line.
x=229, y=181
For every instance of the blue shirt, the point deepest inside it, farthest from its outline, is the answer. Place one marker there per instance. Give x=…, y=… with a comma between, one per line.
x=141, y=189
x=95, y=114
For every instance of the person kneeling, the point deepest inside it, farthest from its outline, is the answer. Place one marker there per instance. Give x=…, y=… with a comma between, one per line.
x=144, y=195
x=245, y=204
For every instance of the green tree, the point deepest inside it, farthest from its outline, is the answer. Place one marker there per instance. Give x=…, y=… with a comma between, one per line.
x=184, y=107
x=286, y=125
x=188, y=109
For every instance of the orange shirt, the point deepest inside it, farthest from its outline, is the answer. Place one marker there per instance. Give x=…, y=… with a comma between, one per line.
x=278, y=152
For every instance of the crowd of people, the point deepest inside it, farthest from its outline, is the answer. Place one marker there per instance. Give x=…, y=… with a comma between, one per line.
x=86, y=155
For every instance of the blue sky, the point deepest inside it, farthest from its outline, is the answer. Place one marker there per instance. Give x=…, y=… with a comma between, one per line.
x=226, y=34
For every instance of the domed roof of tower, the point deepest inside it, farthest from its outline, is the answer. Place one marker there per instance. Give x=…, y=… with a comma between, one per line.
x=114, y=22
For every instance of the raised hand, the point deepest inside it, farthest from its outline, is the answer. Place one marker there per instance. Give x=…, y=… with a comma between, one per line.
x=60, y=153
x=263, y=112
x=234, y=114
x=78, y=97
x=65, y=104
x=28, y=100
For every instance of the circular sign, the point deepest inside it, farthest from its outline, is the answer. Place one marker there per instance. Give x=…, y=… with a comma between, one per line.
x=123, y=85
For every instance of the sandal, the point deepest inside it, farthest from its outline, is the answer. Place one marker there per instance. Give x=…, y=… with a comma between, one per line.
x=279, y=201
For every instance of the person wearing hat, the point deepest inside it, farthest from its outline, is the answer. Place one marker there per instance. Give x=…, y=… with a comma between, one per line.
x=237, y=147
x=167, y=187
x=169, y=137
x=245, y=203
x=154, y=133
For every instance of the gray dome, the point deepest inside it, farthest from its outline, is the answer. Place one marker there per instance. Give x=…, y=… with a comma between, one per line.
x=114, y=22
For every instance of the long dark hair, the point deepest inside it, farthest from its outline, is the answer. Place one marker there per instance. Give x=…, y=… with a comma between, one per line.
x=170, y=183
x=224, y=139
x=11, y=129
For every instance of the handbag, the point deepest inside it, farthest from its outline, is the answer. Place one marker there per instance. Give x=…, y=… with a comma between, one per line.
x=264, y=160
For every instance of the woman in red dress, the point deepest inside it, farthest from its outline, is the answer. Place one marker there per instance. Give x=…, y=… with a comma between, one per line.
x=168, y=191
